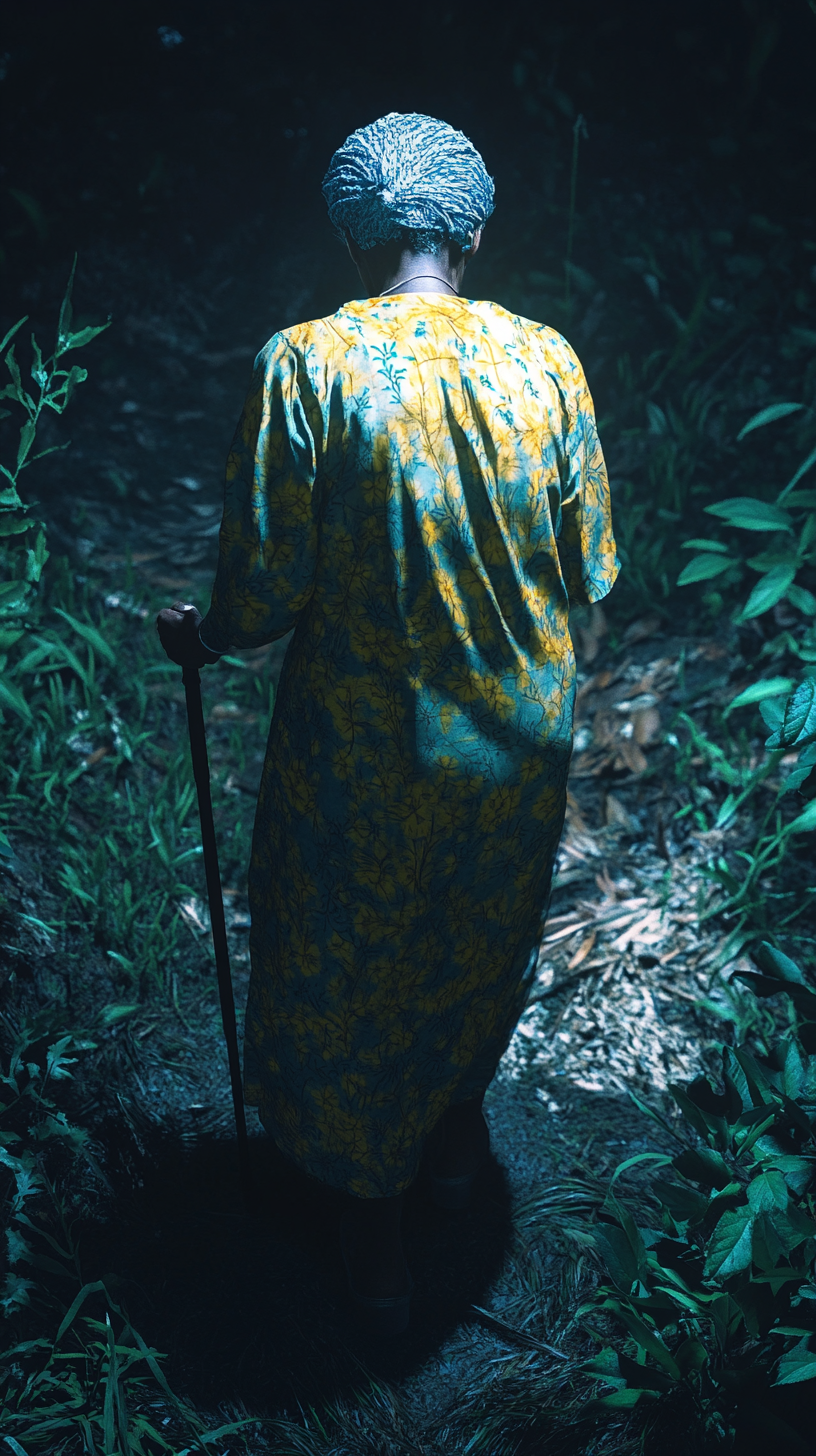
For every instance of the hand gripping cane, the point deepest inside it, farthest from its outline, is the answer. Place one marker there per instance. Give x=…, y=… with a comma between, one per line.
x=201, y=772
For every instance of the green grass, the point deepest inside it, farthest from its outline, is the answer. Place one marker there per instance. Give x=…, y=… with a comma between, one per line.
x=96, y=777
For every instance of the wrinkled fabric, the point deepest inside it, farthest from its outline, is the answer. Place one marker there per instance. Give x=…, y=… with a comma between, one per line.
x=407, y=171
x=417, y=488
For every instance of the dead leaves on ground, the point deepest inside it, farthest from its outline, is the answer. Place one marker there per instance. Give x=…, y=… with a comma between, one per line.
x=628, y=979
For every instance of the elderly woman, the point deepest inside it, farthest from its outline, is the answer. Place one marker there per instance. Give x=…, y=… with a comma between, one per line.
x=416, y=487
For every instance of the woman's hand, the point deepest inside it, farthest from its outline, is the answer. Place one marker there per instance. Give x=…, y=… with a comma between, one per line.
x=177, y=627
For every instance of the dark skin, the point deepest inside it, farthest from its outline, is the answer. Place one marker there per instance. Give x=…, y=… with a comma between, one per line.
x=371, y=1233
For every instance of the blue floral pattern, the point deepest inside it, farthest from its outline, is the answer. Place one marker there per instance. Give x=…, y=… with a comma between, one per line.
x=417, y=488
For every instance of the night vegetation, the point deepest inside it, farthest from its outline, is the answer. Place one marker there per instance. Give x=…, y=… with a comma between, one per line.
x=661, y=1300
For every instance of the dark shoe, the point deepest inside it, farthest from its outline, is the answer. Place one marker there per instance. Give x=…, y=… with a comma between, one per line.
x=380, y=1314
x=453, y=1190
x=453, y=1193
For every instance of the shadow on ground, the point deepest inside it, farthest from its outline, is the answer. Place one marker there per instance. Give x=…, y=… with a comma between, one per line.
x=252, y=1307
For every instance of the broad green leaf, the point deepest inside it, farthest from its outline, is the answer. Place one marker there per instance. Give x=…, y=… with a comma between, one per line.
x=767, y=592
x=619, y=1257
x=605, y=1365
x=767, y=416
x=778, y=1277
x=643, y=1377
x=770, y=687
x=58, y=398
x=766, y=1246
x=27, y=434
x=786, y=555
x=751, y=514
x=736, y=1083
x=744, y=1139
x=808, y=534
x=799, y=724
x=17, y=391
x=703, y=568
x=791, y=1226
x=797, y=1364
x=727, y=1317
x=797, y=1172
x=729, y=1248
x=768, y=1192
x=773, y=713
x=11, y=525
x=624, y=1399
x=84, y=336
x=805, y=822
x=685, y=1205
x=691, y=1355
x=775, y=963
x=703, y=543
x=803, y=600
x=704, y=1166
x=111, y=1014
x=794, y=1073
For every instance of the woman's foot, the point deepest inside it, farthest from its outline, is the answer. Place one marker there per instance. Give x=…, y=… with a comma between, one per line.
x=461, y=1141
x=375, y=1263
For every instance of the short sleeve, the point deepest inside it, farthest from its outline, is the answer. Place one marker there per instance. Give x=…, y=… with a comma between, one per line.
x=586, y=544
x=269, y=530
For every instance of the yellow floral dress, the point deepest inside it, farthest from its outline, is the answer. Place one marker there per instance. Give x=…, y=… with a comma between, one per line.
x=417, y=488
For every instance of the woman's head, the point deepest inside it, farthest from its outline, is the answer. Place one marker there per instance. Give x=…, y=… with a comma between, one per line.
x=408, y=179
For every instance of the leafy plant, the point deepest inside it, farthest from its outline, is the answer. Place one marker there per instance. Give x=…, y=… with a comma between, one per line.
x=717, y=1294
x=24, y=552
x=790, y=523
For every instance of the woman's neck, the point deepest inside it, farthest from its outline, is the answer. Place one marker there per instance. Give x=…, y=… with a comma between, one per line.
x=416, y=273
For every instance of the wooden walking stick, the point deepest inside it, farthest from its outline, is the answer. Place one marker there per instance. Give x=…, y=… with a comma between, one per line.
x=201, y=772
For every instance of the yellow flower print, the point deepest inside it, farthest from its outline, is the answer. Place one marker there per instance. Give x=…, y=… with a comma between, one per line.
x=423, y=526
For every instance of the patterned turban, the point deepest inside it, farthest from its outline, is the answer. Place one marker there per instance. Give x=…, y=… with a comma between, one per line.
x=407, y=171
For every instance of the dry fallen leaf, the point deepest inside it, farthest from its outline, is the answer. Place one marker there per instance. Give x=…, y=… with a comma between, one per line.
x=582, y=952
x=647, y=726
x=640, y=629
x=633, y=758
x=615, y=813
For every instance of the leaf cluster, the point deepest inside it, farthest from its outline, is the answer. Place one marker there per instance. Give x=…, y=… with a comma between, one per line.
x=23, y=552
x=790, y=522
x=716, y=1295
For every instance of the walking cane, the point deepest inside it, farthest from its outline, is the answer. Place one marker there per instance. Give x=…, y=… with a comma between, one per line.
x=201, y=772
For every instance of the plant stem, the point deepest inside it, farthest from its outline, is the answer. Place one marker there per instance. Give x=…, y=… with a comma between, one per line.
x=578, y=128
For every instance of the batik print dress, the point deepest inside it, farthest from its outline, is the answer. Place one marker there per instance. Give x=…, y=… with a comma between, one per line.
x=417, y=488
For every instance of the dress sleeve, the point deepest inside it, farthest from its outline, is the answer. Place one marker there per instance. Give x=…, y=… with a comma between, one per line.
x=586, y=544
x=269, y=530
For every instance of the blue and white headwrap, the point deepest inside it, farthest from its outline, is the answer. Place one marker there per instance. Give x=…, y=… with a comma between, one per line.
x=407, y=171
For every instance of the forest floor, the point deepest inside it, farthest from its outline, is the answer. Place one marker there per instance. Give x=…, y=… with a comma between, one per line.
x=631, y=994
x=632, y=990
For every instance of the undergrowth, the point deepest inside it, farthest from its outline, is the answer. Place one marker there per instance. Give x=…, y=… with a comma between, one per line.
x=708, y=1277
